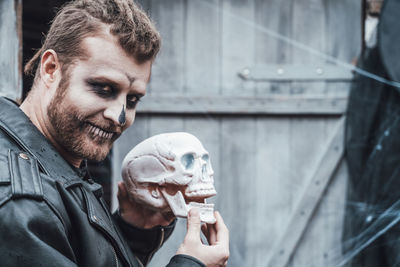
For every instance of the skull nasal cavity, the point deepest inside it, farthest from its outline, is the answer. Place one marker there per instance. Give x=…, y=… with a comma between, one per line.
x=204, y=169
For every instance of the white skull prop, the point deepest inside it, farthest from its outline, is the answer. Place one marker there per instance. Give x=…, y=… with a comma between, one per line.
x=171, y=171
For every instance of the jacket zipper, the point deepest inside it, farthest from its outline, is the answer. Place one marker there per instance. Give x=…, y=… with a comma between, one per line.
x=113, y=242
x=159, y=245
x=115, y=255
x=161, y=239
x=139, y=261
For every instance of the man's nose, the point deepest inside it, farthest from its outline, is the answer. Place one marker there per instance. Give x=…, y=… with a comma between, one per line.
x=116, y=113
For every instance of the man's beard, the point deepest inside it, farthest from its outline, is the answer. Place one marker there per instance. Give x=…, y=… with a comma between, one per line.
x=72, y=129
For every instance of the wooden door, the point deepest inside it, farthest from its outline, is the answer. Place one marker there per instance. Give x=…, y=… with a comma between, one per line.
x=10, y=48
x=258, y=83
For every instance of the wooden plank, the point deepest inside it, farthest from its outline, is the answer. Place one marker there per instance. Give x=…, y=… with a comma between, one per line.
x=18, y=12
x=310, y=198
x=10, y=56
x=304, y=156
x=345, y=49
x=269, y=198
x=308, y=27
x=276, y=105
x=202, y=53
x=271, y=193
x=307, y=15
x=169, y=70
x=321, y=243
x=272, y=18
x=237, y=44
x=236, y=196
x=338, y=14
x=165, y=123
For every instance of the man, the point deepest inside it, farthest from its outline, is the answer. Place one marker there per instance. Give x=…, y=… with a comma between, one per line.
x=90, y=73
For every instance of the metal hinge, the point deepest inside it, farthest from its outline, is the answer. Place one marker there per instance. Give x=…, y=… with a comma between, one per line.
x=289, y=72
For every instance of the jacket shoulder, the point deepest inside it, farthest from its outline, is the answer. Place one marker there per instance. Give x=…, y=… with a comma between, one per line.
x=19, y=177
x=5, y=180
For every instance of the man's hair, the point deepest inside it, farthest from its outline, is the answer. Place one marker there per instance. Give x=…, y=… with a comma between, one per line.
x=82, y=18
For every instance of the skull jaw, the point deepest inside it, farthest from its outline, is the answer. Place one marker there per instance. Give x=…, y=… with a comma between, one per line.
x=180, y=208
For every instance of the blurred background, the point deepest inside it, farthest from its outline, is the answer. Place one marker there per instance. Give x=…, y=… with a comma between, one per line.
x=297, y=103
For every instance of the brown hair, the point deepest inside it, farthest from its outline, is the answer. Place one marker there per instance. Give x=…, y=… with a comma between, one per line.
x=82, y=18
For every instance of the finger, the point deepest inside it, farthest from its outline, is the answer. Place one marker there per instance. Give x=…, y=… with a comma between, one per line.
x=204, y=229
x=193, y=225
x=121, y=191
x=212, y=234
x=123, y=198
x=121, y=195
x=222, y=232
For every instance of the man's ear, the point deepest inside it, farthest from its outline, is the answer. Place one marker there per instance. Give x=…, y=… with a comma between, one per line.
x=50, y=68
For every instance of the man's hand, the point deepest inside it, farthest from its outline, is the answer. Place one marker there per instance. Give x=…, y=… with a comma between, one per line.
x=213, y=255
x=136, y=214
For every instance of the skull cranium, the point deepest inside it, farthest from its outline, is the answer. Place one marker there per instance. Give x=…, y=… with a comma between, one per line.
x=171, y=171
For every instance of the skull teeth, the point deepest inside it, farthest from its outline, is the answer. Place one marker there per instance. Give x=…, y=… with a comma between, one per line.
x=204, y=207
x=201, y=193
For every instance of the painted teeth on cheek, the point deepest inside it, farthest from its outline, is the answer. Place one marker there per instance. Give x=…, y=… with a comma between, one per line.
x=99, y=132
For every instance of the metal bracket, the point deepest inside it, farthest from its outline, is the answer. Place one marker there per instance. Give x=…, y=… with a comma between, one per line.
x=274, y=72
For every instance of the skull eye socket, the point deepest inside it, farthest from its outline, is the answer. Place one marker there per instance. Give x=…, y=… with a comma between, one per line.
x=187, y=161
x=205, y=157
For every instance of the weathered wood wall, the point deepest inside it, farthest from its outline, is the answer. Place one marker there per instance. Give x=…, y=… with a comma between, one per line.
x=10, y=48
x=266, y=137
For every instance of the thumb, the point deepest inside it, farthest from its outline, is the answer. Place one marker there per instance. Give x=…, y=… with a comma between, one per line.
x=193, y=225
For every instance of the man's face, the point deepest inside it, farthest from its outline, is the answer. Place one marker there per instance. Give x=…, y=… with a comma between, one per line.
x=96, y=99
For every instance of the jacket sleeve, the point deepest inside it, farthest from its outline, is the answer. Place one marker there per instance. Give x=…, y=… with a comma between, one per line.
x=184, y=260
x=145, y=242
x=32, y=235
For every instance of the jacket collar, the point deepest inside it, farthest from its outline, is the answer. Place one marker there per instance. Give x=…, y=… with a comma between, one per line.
x=19, y=127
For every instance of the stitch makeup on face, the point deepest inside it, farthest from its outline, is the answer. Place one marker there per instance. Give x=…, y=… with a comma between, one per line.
x=122, y=116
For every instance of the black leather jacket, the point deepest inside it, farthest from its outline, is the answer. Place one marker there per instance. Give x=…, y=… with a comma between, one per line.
x=50, y=216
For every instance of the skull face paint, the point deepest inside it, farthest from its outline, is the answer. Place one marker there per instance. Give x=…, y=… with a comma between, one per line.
x=171, y=171
x=122, y=116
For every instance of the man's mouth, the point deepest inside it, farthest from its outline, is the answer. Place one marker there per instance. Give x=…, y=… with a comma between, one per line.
x=99, y=132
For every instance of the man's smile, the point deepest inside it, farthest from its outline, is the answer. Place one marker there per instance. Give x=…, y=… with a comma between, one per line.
x=97, y=131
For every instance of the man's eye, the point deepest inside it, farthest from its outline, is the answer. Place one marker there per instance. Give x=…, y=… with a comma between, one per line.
x=104, y=90
x=132, y=101
x=101, y=89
